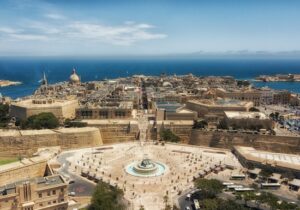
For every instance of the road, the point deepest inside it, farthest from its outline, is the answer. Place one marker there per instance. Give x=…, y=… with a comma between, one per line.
x=81, y=186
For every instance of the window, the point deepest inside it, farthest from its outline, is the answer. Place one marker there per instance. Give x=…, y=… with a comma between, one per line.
x=41, y=204
x=62, y=200
x=48, y=193
x=54, y=192
x=54, y=201
x=62, y=190
x=40, y=195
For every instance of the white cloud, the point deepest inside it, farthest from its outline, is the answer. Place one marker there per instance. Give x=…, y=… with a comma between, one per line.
x=29, y=37
x=7, y=30
x=55, y=16
x=119, y=35
x=125, y=34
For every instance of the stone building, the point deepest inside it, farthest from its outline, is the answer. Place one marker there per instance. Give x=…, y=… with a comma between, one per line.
x=213, y=110
x=281, y=97
x=62, y=109
x=172, y=111
x=122, y=110
x=278, y=162
x=242, y=95
x=247, y=120
x=37, y=193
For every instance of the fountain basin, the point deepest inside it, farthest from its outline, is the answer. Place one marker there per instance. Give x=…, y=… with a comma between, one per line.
x=145, y=169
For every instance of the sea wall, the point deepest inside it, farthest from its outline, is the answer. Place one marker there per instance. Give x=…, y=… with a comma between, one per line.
x=27, y=142
x=284, y=144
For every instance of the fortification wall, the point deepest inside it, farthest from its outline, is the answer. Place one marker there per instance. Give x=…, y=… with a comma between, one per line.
x=26, y=142
x=23, y=171
x=284, y=144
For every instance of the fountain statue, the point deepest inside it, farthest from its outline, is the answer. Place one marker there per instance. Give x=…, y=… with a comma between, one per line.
x=146, y=168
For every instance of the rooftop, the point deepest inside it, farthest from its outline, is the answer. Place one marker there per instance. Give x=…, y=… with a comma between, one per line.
x=245, y=115
x=41, y=182
x=264, y=157
x=43, y=103
x=221, y=102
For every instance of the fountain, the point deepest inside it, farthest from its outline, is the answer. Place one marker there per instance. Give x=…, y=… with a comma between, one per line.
x=146, y=168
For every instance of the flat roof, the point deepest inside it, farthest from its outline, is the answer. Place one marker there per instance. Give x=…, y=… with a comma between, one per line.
x=245, y=115
x=222, y=102
x=109, y=122
x=277, y=159
x=28, y=103
x=41, y=182
x=176, y=122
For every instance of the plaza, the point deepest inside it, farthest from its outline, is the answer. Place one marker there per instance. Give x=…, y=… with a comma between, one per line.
x=182, y=164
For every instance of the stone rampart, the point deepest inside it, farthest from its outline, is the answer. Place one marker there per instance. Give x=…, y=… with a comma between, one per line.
x=221, y=139
x=26, y=142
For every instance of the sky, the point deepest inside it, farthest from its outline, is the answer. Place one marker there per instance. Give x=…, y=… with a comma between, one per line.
x=147, y=27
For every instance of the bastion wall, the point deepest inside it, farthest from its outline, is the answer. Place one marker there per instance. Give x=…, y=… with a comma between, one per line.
x=283, y=144
x=26, y=142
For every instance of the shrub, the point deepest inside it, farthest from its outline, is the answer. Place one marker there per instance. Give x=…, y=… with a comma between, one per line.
x=45, y=120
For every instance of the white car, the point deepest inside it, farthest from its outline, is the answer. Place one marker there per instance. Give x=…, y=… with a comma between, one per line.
x=71, y=193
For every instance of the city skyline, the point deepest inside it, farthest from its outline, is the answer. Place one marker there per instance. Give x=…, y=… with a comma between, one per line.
x=92, y=28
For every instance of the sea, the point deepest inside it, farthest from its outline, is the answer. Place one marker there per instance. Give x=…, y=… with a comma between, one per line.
x=29, y=70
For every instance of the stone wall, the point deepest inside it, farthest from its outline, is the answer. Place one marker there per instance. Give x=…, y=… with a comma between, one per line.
x=116, y=130
x=26, y=142
x=27, y=168
x=283, y=144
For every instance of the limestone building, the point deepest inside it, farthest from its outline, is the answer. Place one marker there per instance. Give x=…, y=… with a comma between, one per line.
x=242, y=95
x=213, y=110
x=247, y=120
x=172, y=111
x=35, y=194
x=62, y=109
x=122, y=110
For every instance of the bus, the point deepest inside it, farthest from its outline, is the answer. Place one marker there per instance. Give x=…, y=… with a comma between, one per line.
x=273, y=186
x=238, y=177
x=243, y=189
x=197, y=205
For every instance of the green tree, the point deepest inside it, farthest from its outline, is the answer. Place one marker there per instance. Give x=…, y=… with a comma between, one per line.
x=230, y=205
x=41, y=121
x=253, y=109
x=76, y=124
x=4, y=115
x=210, y=204
x=209, y=187
x=266, y=172
x=107, y=197
x=168, y=135
x=199, y=124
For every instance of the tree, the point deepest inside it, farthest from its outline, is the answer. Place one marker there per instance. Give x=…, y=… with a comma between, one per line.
x=4, y=115
x=107, y=197
x=253, y=109
x=210, y=204
x=209, y=187
x=41, y=121
x=266, y=172
x=168, y=135
x=199, y=124
x=230, y=205
x=76, y=124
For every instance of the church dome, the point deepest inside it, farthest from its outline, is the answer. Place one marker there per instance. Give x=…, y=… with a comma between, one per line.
x=74, y=78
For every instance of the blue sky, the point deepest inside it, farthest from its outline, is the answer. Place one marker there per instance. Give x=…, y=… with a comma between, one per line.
x=147, y=27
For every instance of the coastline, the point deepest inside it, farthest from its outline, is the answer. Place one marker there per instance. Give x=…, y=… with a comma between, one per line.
x=7, y=83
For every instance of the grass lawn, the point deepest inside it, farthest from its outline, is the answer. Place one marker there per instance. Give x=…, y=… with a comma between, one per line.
x=6, y=160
